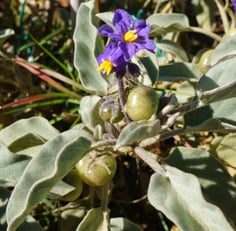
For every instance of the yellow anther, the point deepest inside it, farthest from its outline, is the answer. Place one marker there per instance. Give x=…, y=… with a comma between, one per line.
x=130, y=36
x=106, y=67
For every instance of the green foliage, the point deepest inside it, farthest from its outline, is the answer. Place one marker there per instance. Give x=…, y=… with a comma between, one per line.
x=164, y=23
x=86, y=40
x=216, y=183
x=121, y=223
x=54, y=160
x=95, y=217
x=178, y=195
x=137, y=131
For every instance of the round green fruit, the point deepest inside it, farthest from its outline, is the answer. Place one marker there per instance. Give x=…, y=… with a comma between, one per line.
x=110, y=110
x=205, y=61
x=73, y=179
x=142, y=103
x=97, y=171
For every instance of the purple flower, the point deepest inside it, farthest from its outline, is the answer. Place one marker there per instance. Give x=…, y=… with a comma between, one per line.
x=131, y=35
x=112, y=60
x=234, y=3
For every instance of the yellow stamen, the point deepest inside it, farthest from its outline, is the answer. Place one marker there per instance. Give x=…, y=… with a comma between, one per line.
x=106, y=67
x=130, y=36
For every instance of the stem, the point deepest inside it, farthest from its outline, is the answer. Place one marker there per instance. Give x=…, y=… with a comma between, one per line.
x=104, y=143
x=91, y=196
x=121, y=92
x=223, y=15
x=207, y=33
x=105, y=196
x=145, y=156
x=185, y=108
x=172, y=133
x=205, y=97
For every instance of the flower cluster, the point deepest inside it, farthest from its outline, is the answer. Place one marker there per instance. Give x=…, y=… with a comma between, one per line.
x=128, y=36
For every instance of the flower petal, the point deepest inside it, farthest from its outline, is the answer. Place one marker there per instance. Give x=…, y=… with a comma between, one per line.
x=105, y=30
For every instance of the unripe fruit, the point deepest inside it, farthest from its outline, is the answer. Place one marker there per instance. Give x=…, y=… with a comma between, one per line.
x=205, y=61
x=110, y=110
x=73, y=179
x=97, y=171
x=142, y=103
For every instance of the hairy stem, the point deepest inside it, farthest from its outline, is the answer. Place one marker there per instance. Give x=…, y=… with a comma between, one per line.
x=105, y=196
x=122, y=99
x=146, y=157
x=207, y=33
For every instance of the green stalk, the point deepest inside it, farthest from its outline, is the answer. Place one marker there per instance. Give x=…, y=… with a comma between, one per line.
x=53, y=58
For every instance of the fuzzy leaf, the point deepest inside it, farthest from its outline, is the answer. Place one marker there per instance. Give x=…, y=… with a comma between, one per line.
x=55, y=159
x=95, y=217
x=218, y=116
x=26, y=141
x=123, y=224
x=219, y=76
x=29, y=224
x=173, y=48
x=89, y=106
x=11, y=166
x=86, y=40
x=224, y=49
x=70, y=218
x=226, y=150
x=178, y=195
x=179, y=71
x=151, y=65
x=217, y=185
x=164, y=23
x=137, y=131
x=35, y=125
x=106, y=17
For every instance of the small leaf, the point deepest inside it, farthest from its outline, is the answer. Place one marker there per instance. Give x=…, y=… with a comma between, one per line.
x=94, y=219
x=173, y=48
x=179, y=197
x=106, y=17
x=89, y=107
x=137, y=131
x=123, y=224
x=55, y=159
x=164, y=23
x=26, y=141
x=11, y=166
x=150, y=63
x=179, y=71
x=35, y=125
x=85, y=39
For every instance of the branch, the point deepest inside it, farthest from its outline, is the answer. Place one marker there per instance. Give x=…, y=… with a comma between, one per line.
x=145, y=156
